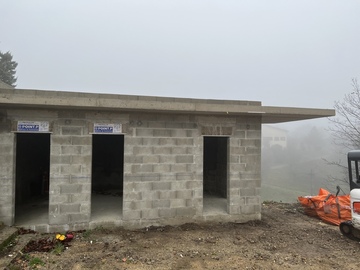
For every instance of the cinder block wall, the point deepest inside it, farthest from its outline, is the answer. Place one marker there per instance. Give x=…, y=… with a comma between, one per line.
x=245, y=169
x=70, y=169
x=7, y=191
x=163, y=167
x=71, y=164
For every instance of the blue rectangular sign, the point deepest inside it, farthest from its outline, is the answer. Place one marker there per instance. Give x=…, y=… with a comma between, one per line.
x=103, y=129
x=28, y=127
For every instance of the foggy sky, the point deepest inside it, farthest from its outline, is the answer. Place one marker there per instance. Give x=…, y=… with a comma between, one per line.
x=300, y=53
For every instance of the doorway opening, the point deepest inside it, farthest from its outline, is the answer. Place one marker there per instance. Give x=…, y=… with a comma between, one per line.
x=32, y=178
x=107, y=177
x=215, y=176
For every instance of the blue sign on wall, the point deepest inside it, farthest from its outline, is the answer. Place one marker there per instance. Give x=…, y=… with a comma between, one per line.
x=107, y=128
x=103, y=129
x=32, y=126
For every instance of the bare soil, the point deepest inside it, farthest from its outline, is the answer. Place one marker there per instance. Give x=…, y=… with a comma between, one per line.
x=285, y=238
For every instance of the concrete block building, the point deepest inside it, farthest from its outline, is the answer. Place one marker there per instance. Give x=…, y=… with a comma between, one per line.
x=72, y=161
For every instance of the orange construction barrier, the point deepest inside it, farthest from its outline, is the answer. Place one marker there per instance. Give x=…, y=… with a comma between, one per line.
x=328, y=207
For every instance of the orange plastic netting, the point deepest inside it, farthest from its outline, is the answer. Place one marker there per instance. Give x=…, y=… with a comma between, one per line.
x=328, y=207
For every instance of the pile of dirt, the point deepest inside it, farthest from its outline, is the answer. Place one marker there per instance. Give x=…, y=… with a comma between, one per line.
x=285, y=238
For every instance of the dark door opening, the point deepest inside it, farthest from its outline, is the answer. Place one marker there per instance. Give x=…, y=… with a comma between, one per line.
x=107, y=176
x=32, y=178
x=215, y=171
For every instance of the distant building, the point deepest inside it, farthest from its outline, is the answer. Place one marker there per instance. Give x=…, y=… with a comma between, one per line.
x=273, y=136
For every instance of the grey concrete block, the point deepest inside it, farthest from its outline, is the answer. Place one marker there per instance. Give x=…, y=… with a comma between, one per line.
x=79, y=198
x=176, y=150
x=6, y=190
x=69, y=208
x=184, y=194
x=56, y=160
x=194, y=185
x=133, y=159
x=151, y=177
x=150, y=141
x=184, y=176
x=60, y=140
x=234, y=184
x=248, y=209
x=151, y=159
x=162, y=168
x=167, y=141
x=178, y=133
x=142, y=168
x=178, y=185
x=176, y=203
x=86, y=150
x=184, y=159
x=67, y=130
x=168, y=159
x=239, y=133
x=149, y=195
x=161, y=186
x=161, y=204
x=250, y=184
x=185, y=141
x=167, y=212
x=167, y=194
x=55, y=199
x=70, y=150
x=162, y=133
x=185, y=211
x=142, y=150
x=55, y=150
x=85, y=170
x=233, y=209
x=59, y=219
x=250, y=142
x=178, y=168
x=132, y=196
x=162, y=150
x=70, y=169
x=253, y=200
x=130, y=215
x=248, y=192
x=81, y=140
x=149, y=213
x=144, y=132
x=78, y=218
x=71, y=188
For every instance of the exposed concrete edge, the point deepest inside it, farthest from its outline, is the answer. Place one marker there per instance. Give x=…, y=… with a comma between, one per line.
x=89, y=101
x=139, y=224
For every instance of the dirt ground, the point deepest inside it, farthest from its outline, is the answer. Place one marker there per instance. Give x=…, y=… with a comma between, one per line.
x=285, y=238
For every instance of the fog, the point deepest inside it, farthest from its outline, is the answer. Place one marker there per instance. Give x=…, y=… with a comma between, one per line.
x=303, y=165
x=282, y=53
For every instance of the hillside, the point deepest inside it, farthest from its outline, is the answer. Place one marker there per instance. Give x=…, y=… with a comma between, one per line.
x=285, y=238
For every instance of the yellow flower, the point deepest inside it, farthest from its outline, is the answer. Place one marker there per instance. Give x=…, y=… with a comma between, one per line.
x=60, y=237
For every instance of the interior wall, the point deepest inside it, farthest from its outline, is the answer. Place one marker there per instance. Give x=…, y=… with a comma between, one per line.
x=32, y=166
x=215, y=166
x=108, y=164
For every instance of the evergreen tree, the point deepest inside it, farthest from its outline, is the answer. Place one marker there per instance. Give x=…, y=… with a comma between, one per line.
x=7, y=69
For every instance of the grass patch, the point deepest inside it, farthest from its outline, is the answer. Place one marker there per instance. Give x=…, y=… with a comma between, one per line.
x=34, y=262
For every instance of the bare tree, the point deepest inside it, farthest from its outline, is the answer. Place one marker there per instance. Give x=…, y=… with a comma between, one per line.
x=345, y=129
x=346, y=126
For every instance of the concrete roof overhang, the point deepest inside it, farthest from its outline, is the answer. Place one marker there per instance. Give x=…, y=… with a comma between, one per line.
x=90, y=101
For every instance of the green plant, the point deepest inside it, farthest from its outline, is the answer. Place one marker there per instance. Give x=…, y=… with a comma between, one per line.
x=58, y=248
x=34, y=262
x=87, y=234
